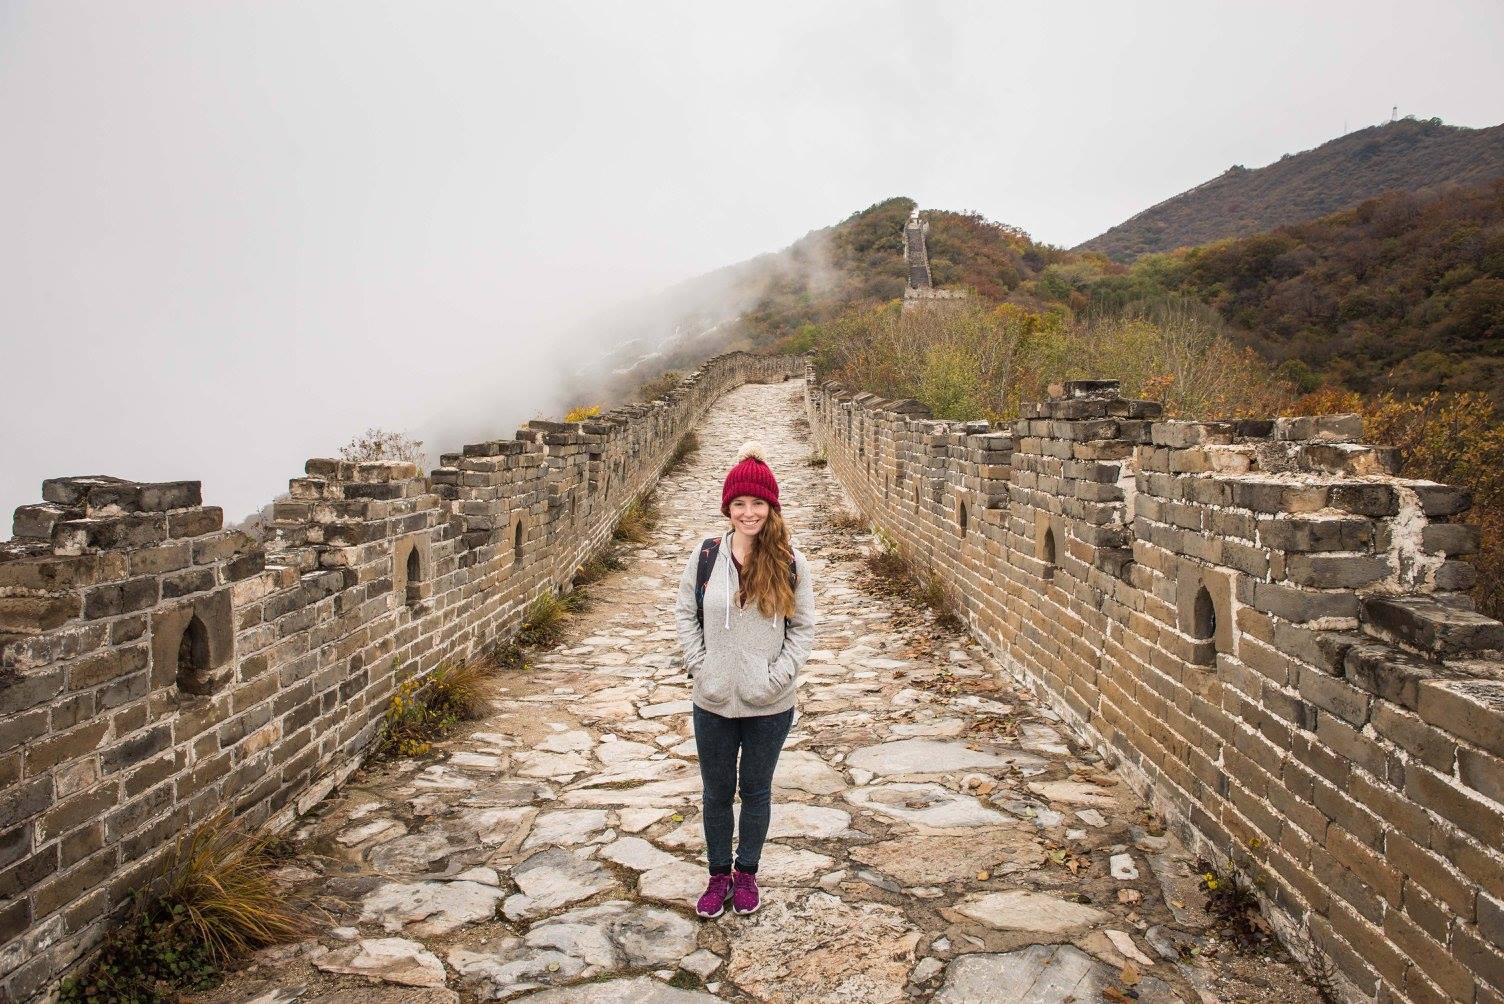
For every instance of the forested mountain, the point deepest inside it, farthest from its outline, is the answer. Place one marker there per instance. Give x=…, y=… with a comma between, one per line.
x=1408, y=155
x=1403, y=292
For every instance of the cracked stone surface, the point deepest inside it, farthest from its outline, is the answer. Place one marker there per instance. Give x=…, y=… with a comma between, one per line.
x=392, y=960
x=936, y=831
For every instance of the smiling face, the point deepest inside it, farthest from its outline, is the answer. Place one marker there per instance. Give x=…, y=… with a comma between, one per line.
x=748, y=513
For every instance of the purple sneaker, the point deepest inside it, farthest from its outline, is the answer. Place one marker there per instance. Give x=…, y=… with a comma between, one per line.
x=744, y=898
x=713, y=903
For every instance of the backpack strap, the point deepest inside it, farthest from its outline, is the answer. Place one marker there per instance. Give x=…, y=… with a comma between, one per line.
x=709, y=548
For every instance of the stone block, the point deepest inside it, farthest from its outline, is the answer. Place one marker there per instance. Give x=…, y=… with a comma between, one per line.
x=74, y=491
x=136, y=749
x=1316, y=533
x=1450, y=538
x=23, y=801
x=36, y=522
x=1472, y=710
x=1432, y=626
x=1455, y=576
x=166, y=495
x=37, y=614
x=118, y=598
x=1387, y=672
x=1323, y=428
x=1442, y=500
x=195, y=522
x=1336, y=571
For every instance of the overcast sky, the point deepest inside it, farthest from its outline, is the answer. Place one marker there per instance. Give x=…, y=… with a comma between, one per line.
x=232, y=234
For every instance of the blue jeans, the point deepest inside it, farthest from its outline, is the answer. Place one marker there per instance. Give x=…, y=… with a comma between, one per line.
x=718, y=740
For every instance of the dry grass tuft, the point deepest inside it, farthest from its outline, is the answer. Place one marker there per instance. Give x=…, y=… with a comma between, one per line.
x=888, y=564
x=817, y=459
x=637, y=522
x=597, y=567
x=220, y=893
x=684, y=452
x=896, y=575
x=935, y=594
x=214, y=902
x=422, y=712
x=459, y=690
x=543, y=627
x=846, y=521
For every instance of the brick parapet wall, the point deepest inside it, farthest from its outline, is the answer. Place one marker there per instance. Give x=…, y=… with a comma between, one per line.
x=155, y=666
x=1260, y=624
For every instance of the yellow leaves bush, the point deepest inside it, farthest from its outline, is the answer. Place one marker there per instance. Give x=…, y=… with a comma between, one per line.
x=422, y=712
x=582, y=412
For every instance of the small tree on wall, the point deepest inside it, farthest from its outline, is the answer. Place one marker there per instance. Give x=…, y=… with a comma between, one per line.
x=379, y=444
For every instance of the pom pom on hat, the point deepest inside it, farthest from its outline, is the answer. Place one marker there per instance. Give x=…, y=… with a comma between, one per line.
x=752, y=448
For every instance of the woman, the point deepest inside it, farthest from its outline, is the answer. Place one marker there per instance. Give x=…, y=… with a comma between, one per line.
x=746, y=619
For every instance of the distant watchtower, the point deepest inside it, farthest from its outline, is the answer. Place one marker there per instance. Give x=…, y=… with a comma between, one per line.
x=915, y=253
x=920, y=289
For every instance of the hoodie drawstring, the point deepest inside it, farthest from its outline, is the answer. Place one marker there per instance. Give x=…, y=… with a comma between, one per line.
x=728, y=583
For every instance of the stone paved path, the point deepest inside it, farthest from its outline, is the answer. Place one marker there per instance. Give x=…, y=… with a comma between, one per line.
x=933, y=833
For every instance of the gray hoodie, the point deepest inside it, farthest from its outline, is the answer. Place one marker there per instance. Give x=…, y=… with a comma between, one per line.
x=743, y=663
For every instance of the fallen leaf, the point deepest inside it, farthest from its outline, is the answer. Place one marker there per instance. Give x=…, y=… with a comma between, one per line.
x=1129, y=896
x=983, y=876
x=1130, y=975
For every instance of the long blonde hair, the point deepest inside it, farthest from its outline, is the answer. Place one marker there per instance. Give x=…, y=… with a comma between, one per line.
x=765, y=578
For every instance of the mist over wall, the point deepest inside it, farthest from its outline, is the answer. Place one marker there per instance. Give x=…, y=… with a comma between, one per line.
x=236, y=234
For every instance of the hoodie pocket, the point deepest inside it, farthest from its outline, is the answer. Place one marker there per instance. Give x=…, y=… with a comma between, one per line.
x=756, y=685
x=713, y=681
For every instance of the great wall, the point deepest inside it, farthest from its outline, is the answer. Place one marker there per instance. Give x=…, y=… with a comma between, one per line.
x=1255, y=626
x=156, y=666
x=1259, y=624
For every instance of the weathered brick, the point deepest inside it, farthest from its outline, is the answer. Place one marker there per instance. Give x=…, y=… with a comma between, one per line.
x=1468, y=709
x=105, y=666
x=22, y=801
x=1451, y=801
x=137, y=748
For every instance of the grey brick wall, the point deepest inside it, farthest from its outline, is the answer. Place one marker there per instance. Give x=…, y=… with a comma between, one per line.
x=1260, y=624
x=155, y=666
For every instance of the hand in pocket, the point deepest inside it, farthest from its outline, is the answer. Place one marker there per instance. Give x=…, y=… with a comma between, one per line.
x=756, y=685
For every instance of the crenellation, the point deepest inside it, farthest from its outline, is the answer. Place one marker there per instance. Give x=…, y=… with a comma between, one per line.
x=1260, y=623
x=156, y=666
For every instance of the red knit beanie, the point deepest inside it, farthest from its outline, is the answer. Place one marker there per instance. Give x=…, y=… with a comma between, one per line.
x=750, y=476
